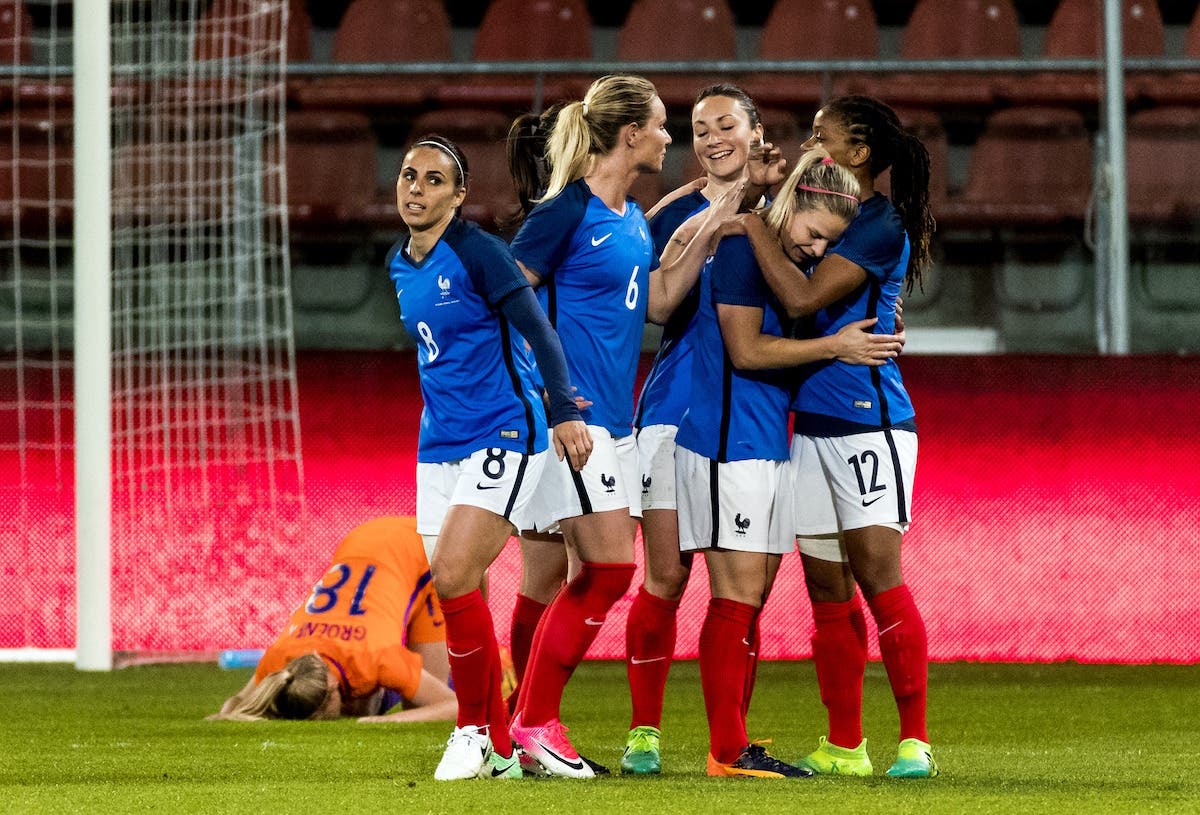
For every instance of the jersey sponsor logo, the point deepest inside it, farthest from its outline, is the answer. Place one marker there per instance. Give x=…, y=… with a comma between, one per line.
x=597, y=241
x=479, y=485
x=863, y=403
x=867, y=503
x=510, y=434
x=609, y=482
x=590, y=621
x=452, y=652
x=741, y=523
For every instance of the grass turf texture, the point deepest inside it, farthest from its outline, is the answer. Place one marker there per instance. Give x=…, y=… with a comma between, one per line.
x=1009, y=738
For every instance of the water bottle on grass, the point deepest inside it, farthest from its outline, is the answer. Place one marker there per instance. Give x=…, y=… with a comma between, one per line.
x=233, y=658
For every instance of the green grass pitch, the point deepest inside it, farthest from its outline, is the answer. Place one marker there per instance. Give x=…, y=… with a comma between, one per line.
x=1009, y=738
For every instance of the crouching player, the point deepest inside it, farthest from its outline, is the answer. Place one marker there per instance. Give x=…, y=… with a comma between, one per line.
x=370, y=635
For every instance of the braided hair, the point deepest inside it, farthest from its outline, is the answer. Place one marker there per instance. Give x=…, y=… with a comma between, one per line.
x=869, y=121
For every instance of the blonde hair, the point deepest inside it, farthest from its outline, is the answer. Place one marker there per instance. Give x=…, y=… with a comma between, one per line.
x=295, y=691
x=591, y=127
x=815, y=183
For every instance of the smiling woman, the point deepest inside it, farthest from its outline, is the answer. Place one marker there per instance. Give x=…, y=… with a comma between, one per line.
x=471, y=311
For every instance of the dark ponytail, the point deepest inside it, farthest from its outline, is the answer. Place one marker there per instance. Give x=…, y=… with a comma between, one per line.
x=869, y=121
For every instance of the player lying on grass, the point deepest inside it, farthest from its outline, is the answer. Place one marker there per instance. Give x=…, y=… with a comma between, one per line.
x=369, y=636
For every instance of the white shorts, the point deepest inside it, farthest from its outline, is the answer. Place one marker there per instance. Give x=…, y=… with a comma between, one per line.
x=494, y=479
x=850, y=482
x=656, y=458
x=738, y=505
x=605, y=482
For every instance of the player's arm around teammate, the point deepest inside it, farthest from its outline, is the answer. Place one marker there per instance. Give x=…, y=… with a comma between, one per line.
x=483, y=435
x=731, y=453
x=851, y=513
x=727, y=140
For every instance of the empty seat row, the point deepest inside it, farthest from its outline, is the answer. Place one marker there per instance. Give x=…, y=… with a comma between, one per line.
x=419, y=31
x=1029, y=165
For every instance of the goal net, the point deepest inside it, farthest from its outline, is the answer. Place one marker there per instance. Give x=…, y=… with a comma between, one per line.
x=206, y=470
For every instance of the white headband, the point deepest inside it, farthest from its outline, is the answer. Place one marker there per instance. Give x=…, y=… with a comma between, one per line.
x=461, y=173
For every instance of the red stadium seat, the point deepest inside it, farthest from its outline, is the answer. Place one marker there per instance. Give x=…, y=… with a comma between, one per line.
x=233, y=28
x=657, y=30
x=332, y=160
x=951, y=29
x=1180, y=88
x=36, y=178
x=1162, y=146
x=1030, y=166
x=16, y=26
x=1077, y=30
x=384, y=31
x=16, y=47
x=833, y=29
x=523, y=30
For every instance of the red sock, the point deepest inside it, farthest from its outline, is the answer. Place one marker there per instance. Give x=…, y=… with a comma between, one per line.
x=567, y=630
x=755, y=641
x=724, y=653
x=649, y=649
x=840, y=655
x=526, y=614
x=474, y=655
x=905, y=655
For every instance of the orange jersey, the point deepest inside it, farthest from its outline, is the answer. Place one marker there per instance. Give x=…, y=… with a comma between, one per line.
x=375, y=597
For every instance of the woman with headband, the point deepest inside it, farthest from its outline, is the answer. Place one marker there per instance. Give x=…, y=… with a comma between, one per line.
x=483, y=439
x=732, y=446
x=855, y=449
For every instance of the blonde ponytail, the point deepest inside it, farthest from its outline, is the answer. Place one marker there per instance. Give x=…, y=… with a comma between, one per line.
x=296, y=691
x=591, y=128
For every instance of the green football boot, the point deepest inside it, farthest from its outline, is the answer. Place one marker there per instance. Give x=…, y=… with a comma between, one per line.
x=829, y=759
x=914, y=759
x=641, y=756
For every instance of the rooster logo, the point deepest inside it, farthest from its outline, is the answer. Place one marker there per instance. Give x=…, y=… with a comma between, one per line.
x=645, y=484
x=741, y=523
x=609, y=481
x=444, y=285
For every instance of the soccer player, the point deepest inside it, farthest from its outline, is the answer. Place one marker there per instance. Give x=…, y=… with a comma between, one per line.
x=732, y=447
x=483, y=435
x=726, y=132
x=589, y=244
x=369, y=635
x=854, y=453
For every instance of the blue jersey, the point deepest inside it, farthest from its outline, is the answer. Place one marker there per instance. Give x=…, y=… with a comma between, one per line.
x=668, y=387
x=743, y=414
x=838, y=399
x=475, y=376
x=595, y=265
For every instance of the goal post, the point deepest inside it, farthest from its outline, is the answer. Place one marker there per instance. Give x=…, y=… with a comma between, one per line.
x=149, y=424
x=92, y=333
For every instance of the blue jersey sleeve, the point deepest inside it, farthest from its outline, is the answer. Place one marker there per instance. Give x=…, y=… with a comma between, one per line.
x=544, y=239
x=874, y=238
x=736, y=278
x=670, y=217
